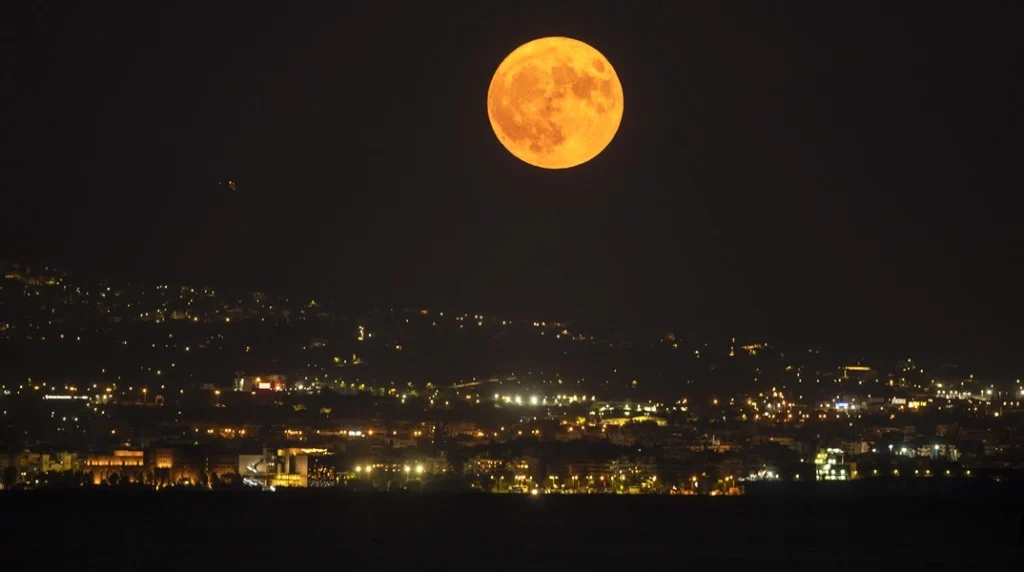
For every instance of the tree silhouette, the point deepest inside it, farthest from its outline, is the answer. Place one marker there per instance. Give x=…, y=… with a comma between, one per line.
x=10, y=476
x=415, y=485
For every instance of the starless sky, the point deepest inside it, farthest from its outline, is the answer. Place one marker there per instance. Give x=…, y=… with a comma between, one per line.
x=824, y=172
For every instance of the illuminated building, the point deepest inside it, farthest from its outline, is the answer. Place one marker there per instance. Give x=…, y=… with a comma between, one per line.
x=455, y=429
x=639, y=469
x=322, y=471
x=524, y=469
x=829, y=465
x=221, y=463
x=31, y=462
x=763, y=474
x=431, y=465
x=291, y=467
x=588, y=469
x=857, y=373
x=854, y=447
x=939, y=451
x=643, y=418
x=126, y=464
x=176, y=464
x=252, y=467
x=480, y=464
x=400, y=442
x=261, y=383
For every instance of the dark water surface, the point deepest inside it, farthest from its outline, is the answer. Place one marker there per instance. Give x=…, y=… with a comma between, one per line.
x=324, y=530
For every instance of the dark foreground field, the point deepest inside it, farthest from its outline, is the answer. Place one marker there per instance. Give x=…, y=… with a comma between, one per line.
x=319, y=530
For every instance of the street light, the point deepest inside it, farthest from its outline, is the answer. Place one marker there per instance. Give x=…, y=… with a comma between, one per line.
x=217, y=394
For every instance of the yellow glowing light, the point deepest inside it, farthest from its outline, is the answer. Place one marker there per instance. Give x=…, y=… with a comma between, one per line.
x=555, y=103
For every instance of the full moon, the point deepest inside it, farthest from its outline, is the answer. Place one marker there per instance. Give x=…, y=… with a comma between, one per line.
x=555, y=103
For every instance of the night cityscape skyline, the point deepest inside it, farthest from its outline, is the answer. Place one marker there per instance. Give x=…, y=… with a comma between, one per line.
x=537, y=285
x=109, y=382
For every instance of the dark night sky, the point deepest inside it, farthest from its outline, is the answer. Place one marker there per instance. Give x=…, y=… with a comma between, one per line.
x=837, y=172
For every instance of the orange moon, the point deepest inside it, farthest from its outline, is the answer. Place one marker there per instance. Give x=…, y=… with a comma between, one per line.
x=555, y=103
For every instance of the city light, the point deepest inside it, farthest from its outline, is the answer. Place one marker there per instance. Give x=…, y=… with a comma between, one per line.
x=324, y=399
